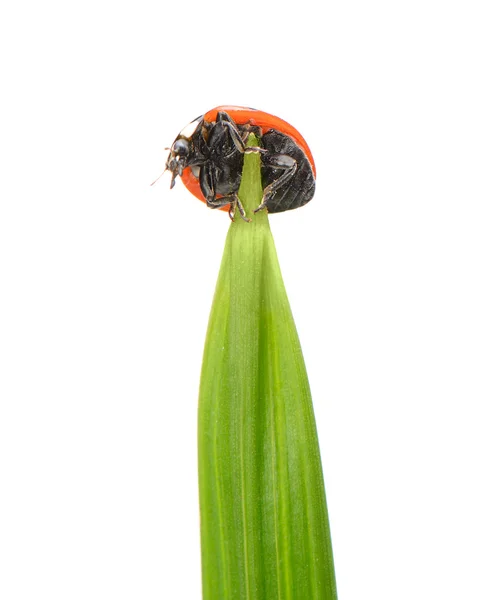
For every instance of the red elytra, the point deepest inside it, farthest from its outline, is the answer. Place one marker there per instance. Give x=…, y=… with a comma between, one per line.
x=242, y=115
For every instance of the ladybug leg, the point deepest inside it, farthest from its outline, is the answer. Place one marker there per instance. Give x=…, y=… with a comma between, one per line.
x=208, y=189
x=207, y=181
x=237, y=204
x=282, y=162
x=237, y=138
x=234, y=203
x=219, y=202
x=240, y=141
x=255, y=149
x=234, y=132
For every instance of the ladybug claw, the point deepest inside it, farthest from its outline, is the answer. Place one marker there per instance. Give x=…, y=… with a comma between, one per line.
x=261, y=207
x=241, y=210
x=254, y=150
x=232, y=217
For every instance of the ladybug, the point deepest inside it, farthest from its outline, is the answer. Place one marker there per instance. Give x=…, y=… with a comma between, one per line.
x=208, y=155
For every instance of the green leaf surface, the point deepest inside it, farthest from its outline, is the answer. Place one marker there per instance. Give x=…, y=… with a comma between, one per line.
x=264, y=521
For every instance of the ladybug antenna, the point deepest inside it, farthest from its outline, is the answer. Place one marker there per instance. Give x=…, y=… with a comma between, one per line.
x=159, y=176
x=165, y=169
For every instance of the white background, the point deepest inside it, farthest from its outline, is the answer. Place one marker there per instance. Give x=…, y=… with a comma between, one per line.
x=106, y=284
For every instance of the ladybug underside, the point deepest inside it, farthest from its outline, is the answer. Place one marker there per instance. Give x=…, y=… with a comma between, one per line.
x=215, y=155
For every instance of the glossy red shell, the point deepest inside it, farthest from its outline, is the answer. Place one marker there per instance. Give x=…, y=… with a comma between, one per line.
x=242, y=116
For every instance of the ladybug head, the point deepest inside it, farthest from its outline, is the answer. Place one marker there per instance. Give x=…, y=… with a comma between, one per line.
x=177, y=159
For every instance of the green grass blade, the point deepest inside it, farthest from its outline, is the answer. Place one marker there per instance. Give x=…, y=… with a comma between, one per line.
x=264, y=521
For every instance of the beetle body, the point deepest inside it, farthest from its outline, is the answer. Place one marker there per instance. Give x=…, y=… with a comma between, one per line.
x=208, y=155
